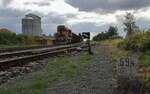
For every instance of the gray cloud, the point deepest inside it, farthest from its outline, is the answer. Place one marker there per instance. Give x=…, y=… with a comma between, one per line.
x=88, y=27
x=11, y=19
x=51, y=21
x=108, y=5
x=39, y=3
x=45, y=3
x=6, y=2
x=143, y=23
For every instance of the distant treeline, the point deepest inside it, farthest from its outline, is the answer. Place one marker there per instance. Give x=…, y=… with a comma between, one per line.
x=10, y=38
x=112, y=33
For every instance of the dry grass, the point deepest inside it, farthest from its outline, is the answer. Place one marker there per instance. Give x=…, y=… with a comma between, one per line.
x=112, y=46
x=144, y=60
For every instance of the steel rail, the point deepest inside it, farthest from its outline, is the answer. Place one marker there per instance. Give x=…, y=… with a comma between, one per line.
x=20, y=61
x=3, y=50
x=32, y=52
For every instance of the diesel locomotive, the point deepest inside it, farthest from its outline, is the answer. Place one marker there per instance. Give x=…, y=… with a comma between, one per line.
x=65, y=36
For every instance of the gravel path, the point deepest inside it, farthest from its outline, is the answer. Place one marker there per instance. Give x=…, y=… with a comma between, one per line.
x=95, y=80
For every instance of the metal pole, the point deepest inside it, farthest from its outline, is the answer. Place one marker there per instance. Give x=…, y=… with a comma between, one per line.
x=89, y=49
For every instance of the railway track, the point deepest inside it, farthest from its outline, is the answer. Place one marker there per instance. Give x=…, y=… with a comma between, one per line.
x=13, y=59
x=29, y=52
x=14, y=49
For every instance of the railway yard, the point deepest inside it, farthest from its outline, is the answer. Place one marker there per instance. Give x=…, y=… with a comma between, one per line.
x=75, y=71
x=74, y=47
x=17, y=59
x=83, y=83
x=69, y=66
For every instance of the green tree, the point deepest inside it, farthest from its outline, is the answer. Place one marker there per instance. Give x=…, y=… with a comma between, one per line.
x=130, y=25
x=50, y=35
x=112, y=31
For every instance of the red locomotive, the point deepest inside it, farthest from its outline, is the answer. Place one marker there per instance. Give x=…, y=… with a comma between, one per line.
x=66, y=36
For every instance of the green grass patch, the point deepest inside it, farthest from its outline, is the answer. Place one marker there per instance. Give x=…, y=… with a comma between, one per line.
x=138, y=42
x=53, y=72
x=98, y=49
x=143, y=58
x=31, y=87
x=112, y=46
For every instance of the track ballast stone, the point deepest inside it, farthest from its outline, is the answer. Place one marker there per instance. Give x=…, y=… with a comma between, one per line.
x=97, y=79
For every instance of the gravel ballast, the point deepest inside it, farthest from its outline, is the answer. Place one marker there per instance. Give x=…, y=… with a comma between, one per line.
x=97, y=79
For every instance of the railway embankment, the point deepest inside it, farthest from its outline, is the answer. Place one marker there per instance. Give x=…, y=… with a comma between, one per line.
x=137, y=85
x=14, y=64
x=77, y=73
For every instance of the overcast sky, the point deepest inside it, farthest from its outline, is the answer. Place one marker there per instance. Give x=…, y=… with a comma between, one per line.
x=79, y=15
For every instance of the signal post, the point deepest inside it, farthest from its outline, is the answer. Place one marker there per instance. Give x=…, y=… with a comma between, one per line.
x=86, y=35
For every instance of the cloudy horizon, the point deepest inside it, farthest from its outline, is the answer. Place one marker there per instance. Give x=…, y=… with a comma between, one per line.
x=79, y=15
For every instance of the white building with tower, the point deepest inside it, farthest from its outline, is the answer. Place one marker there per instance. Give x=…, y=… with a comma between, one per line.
x=31, y=25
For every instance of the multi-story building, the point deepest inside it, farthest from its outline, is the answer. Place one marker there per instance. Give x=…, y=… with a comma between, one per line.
x=31, y=25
